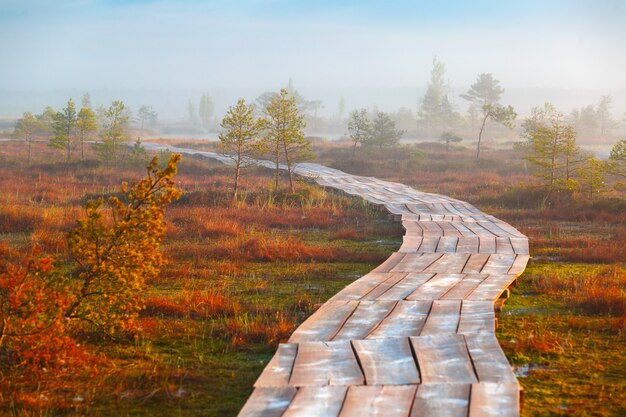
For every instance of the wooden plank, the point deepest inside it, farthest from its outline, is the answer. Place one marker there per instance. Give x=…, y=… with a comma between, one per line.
x=491, y=287
x=387, y=361
x=503, y=245
x=325, y=363
x=429, y=244
x=366, y=316
x=494, y=400
x=406, y=286
x=407, y=319
x=361, y=287
x=462, y=228
x=325, y=322
x=441, y=400
x=278, y=370
x=519, y=265
x=447, y=244
x=431, y=228
x=477, y=316
x=317, y=401
x=467, y=245
x=451, y=263
x=479, y=230
x=410, y=244
x=493, y=228
x=391, y=281
x=268, y=402
x=443, y=317
x=390, y=263
x=475, y=263
x=416, y=262
x=378, y=401
x=464, y=287
x=412, y=228
x=487, y=244
x=489, y=361
x=443, y=359
x=498, y=264
x=520, y=245
x=436, y=287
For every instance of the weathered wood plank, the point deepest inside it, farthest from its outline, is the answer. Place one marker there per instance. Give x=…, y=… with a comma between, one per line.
x=519, y=264
x=429, y=244
x=520, y=245
x=444, y=317
x=390, y=263
x=406, y=286
x=390, y=282
x=268, y=402
x=447, y=244
x=416, y=262
x=464, y=287
x=325, y=322
x=450, y=263
x=379, y=401
x=477, y=316
x=494, y=400
x=387, y=361
x=407, y=319
x=441, y=400
x=488, y=358
x=467, y=244
x=436, y=287
x=361, y=287
x=475, y=263
x=366, y=316
x=498, y=264
x=317, y=401
x=443, y=358
x=325, y=363
x=491, y=287
x=278, y=370
x=503, y=245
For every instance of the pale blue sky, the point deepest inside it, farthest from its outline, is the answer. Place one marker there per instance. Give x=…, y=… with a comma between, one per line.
x=88, y=44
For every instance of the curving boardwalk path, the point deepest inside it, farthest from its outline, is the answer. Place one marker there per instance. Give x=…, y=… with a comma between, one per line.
x=414, y=337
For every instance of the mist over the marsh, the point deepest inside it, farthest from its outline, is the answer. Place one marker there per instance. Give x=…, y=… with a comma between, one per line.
x=372, y=53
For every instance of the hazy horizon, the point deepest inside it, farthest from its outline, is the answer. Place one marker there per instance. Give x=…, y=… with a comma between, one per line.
x=326, y=47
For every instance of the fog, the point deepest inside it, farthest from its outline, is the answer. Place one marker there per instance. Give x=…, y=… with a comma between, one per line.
x=372, y=53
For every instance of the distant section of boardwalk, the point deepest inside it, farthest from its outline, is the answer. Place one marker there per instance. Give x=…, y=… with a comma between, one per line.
x=414, y=337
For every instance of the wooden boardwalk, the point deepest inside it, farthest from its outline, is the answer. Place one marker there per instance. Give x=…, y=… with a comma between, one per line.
x=414, y=337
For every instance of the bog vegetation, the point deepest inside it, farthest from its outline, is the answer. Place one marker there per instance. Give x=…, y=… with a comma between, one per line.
x=98, y=320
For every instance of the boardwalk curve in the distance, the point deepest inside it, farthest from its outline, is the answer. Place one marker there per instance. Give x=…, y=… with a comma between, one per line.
x=414, y=337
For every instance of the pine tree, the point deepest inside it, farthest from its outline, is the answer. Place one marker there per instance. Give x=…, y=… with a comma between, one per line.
x=115, y=258
x=86, y=124
x=63, y=125
x=240, y=139
x=359, y=128
x=114, y=130
x=284, y=136
x=26, y=128
x=383, y=132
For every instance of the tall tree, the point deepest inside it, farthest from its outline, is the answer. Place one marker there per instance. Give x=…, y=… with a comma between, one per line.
x=617, y=159
x=553, y=146
x=240, y=139
x=86, y=101
x=435, y=107
x=284, y=136
x=585, y=120
x=206, y=110
x=448, y=138
x=147, y=116
x=26, y=128
x=114, y=129
x=86, y=124
x=63, y=126
x=539, y=117
x=384, y=132
x=603, y=113
x=485, y=94
x=592, y=176
x=359, y=128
